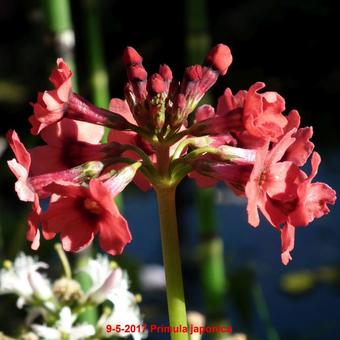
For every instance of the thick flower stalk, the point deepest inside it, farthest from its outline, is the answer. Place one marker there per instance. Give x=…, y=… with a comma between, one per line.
x=247, y=142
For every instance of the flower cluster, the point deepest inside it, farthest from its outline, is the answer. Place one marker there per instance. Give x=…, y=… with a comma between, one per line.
x=59, y=303
x=248, y=142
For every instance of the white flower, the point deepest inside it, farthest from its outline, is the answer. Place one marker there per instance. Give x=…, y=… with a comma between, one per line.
x=113, y=284
x=106, y=281
x=22, y=278
x=64, y=328
x=98, y=269
x=126, y=313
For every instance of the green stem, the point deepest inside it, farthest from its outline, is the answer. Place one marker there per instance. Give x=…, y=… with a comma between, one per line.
x=63, y=259
x=172, y=260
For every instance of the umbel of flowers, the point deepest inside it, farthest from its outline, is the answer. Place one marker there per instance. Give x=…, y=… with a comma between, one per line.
x=247, y=141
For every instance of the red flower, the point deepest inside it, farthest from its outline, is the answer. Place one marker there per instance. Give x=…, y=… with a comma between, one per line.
x=51, y=105
x=253, y=117
x=262, y=113
x=301, y=149
x=20, y=167
x=271, y=181
x=80, y=213
x=69, y=143
x=312, y=198
x=27, y=185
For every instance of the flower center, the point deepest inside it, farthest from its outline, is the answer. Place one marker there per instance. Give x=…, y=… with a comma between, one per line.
x=92, y=206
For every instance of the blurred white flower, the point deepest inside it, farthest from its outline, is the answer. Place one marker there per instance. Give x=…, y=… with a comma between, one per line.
x=126, y=312
x=64, y=329
x=23, y=279
x=98, y=269
x=112, y=283
x=106, y=280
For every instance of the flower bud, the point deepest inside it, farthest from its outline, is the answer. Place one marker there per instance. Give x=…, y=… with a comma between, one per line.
x=156, y=84
x=219, y=58
x=137, y=73
x=121, y=179
x=165, y=72
x=131, y=56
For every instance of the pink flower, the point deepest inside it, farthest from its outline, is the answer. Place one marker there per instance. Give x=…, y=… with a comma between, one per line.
x=80, y=213
x=302, y=147
x=262, y=113
x=253, y=117
x=51, y=105
x=312, y=198
x=272, y=180
x=283, y=192
x=61, y=102
x=69, y=143
x=20, y=167
x=27, y=186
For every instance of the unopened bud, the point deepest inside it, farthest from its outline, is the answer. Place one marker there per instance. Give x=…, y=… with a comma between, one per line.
x=165, y=72
x=219, y=58
x=137, y=73
x=131, y=56
x=156, y=84
x=122, y=178
x=193, y=73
